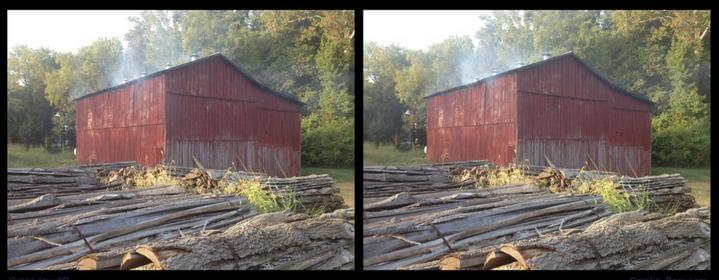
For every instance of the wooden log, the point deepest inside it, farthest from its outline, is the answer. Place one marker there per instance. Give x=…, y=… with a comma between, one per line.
x=109, y=260
x=62, y=266
x=267, y=241
x=632, y=240
x=387, y=256
x=434, y=249
x=468, y=259
x=114, y=229
x=431, y=265
x=42, y=202
x=132, y=260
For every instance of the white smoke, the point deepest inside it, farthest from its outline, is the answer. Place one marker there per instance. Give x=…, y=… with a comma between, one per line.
x=468, y=67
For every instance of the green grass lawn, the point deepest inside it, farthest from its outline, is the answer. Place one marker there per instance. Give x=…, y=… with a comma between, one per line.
x=698, y=178
x=18, y=156
x=345, y=178
x=389, y=155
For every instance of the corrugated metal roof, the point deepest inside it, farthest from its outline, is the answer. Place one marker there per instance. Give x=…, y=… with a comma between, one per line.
x=239, y=70
x=567, y=54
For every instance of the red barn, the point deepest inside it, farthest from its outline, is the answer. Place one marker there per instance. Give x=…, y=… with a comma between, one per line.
x=559, y=108
x=207, y=108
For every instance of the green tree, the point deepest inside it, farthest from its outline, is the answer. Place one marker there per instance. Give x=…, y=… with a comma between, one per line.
x=153, y=42
x=93, y=68
x=31, y=120
x=307, y=53
x=60, y=85
x=382, y=109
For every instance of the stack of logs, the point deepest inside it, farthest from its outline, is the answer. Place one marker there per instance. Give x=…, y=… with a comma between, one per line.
x=409, y=231
x=560, y=179
x=202, y=180
x=416, y=218
x=180, y=172
x=668, y=191
x=53, y=232
x=63, y=218
x=312, y=191
x=626, y=241
x=456, y=166
x=104, y=169
x=384, y=181
x=28, y=183
x=268, y=241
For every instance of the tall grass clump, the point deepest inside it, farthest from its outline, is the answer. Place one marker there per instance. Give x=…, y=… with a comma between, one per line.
x=263, y=200
x=617, y=198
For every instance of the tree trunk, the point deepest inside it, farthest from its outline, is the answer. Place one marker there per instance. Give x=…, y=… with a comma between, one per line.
x=268, y=241
x=626, y=241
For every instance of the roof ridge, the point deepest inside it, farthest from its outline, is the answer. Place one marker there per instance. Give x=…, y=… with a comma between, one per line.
x=524, y=67
x=198, y=60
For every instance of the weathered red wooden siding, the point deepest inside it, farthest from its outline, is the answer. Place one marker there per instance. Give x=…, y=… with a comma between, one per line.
x=576, y=120
x=556, y=108
x=219, y=116
x=629, y=135
x=121, y=124
x=474, y=122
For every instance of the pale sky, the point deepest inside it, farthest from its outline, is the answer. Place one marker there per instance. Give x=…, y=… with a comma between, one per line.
x=418, y=29
x=65, y=30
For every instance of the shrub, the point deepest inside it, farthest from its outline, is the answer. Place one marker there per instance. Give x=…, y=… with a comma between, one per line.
x=686, y=146
x=327, y=143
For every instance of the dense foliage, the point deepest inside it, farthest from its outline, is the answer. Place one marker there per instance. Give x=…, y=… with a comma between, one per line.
x=664, y=55
x=309, y=54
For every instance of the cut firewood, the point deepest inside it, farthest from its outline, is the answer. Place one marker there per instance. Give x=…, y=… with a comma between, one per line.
x=109, y=260
x=132, y=260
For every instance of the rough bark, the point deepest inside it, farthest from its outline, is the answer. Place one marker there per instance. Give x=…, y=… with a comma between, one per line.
x=631, y=241
x=410, y=240
x=268, y=241
x=49, y=239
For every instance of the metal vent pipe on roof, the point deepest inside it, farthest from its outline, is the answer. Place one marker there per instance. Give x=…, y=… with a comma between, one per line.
x=142, y=74
x=168, y=66
x=194, y=56
x=546, y=55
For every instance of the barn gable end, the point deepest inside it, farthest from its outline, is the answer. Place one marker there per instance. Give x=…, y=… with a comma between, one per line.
x=207, y=108
x=563, y=111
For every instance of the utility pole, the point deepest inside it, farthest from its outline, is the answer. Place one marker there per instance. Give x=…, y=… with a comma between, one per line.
x=411, y=146
x=58, y=115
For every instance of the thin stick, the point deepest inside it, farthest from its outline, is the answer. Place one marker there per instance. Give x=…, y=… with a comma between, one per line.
x=45, y=240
